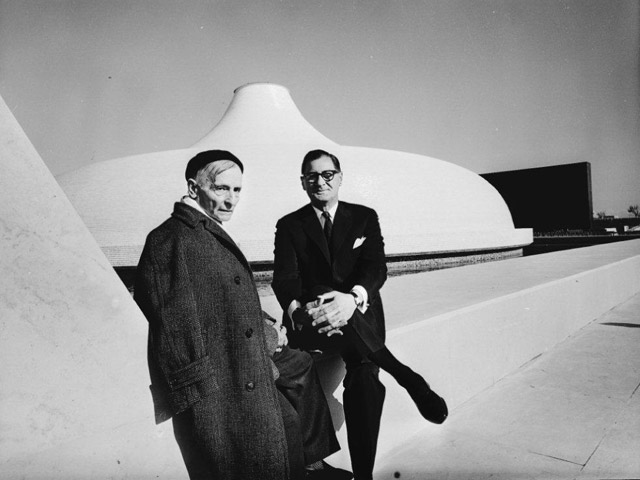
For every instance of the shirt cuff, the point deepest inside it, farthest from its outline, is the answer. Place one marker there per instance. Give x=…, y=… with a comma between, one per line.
x=295, y=304
x=363, y=297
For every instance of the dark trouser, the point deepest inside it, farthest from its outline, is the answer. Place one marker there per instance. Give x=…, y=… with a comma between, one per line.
x=299, y=384
x=363, y=400
x=293, y=432
x=363, y=392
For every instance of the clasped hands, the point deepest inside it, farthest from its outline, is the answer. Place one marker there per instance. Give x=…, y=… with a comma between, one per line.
x=329, y=312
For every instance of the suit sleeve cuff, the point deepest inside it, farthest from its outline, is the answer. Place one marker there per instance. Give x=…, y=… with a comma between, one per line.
x=295, y=304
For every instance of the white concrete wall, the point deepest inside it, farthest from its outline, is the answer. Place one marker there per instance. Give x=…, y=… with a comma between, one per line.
x=74, y=397
x=467, y=350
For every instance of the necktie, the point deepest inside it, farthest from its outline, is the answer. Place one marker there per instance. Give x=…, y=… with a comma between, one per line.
x=328, y=226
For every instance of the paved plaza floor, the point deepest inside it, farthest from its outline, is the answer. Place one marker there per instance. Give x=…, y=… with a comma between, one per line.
x=571, y=413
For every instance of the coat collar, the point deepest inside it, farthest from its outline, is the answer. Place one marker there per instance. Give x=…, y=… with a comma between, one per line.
x=192, y=217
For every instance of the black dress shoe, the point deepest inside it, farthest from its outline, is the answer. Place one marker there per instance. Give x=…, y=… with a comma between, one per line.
x=329, y=473
x=430, y=405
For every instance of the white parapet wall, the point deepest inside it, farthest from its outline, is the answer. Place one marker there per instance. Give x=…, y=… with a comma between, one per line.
x=466, y=328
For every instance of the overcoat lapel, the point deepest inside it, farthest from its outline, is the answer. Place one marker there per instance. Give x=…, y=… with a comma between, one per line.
x=312, y=228
x=225, y=239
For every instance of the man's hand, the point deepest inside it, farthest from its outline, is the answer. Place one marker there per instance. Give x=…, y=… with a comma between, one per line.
x=331, y=311
x=300, y=317
x=283, y=340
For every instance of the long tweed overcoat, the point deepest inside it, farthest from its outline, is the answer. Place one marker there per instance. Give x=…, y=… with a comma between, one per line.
x=207, y=351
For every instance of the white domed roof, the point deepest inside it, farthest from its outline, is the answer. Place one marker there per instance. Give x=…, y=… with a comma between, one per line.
x=425, y=205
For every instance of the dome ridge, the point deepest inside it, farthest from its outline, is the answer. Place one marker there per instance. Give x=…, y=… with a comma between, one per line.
x=261, y=113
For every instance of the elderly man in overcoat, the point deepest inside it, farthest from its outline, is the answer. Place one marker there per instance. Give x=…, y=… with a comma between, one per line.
x=209, y=349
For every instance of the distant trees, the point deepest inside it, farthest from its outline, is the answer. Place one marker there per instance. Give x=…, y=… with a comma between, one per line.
x=633, y=210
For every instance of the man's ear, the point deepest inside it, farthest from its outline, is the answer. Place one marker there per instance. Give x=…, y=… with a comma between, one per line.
x=192, y=188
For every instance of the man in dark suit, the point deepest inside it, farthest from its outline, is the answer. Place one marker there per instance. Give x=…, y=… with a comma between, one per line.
x=211, y=355
x=328, y=270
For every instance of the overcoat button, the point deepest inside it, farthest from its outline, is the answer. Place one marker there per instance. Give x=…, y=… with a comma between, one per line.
x=249, y=332
x=237, y=280
x=250, y=386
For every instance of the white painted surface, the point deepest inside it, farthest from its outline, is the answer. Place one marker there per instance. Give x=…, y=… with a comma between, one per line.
x=74, y=401
x=425, y=204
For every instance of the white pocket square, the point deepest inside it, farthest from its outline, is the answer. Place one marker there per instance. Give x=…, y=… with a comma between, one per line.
x=358, y=242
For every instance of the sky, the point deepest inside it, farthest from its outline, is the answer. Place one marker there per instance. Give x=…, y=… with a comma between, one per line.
x=488, y=85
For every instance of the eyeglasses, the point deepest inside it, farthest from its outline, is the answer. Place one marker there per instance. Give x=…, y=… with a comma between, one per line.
x=312, y=177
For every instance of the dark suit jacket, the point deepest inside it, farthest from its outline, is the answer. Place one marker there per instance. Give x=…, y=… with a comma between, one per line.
x=303, y=259
x=208, y=357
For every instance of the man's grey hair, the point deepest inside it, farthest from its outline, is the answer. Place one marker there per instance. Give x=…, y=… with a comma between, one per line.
x=208, y=174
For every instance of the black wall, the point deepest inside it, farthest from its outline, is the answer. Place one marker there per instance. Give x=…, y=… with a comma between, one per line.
x=547, y=198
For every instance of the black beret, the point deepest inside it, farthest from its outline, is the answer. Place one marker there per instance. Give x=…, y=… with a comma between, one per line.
x=203, y=159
